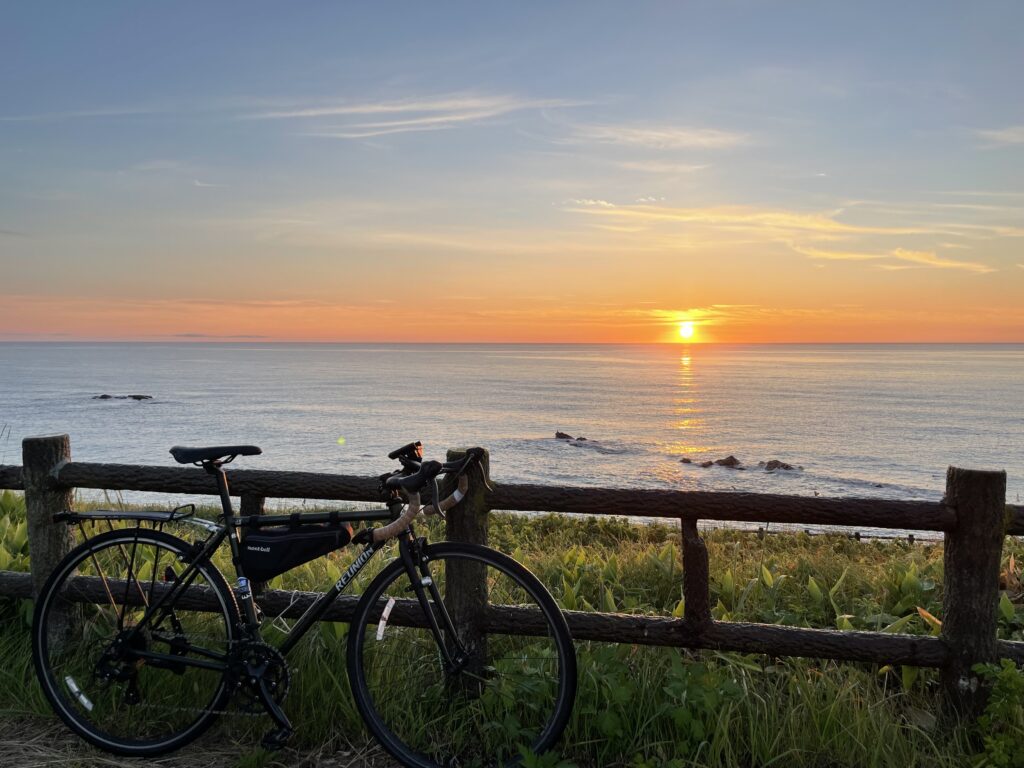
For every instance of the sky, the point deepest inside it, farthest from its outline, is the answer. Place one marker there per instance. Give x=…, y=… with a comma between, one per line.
x=515, y=172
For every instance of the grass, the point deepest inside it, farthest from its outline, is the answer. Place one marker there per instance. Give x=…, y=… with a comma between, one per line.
x=639, y=706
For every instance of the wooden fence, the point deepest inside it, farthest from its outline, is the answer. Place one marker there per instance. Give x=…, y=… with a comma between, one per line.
x=973, y=517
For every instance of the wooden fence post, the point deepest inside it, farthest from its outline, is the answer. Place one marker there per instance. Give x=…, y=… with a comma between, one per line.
x=696, y=586
x=972, y=555
x=48, y=542
x=466, y=593
x=253, y=504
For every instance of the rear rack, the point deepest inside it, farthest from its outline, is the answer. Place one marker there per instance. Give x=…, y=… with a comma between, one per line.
x=183, y=513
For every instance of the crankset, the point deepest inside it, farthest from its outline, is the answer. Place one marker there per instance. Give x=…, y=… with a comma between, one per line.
x=257, y=663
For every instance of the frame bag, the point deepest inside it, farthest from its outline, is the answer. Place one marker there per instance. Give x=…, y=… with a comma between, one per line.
x=269, y=552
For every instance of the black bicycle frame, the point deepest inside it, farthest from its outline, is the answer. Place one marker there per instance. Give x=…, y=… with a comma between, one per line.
x=250, y=622
x=415, y=567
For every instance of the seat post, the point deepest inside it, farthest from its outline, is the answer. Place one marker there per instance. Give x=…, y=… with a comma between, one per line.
x=215, y=469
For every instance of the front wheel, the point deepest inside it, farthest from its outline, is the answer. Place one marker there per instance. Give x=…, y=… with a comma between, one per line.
x=504, y=684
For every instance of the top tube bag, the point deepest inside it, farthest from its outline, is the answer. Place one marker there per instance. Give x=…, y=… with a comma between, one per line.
x=269, y=552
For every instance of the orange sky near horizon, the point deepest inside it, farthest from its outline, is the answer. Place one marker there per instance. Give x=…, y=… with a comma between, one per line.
x=25, y=318
x=769, y=172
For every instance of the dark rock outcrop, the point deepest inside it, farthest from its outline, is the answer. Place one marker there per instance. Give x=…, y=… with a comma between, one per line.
x=774, y=464
x=686, y=460
x=729, y=461
x=563, y=436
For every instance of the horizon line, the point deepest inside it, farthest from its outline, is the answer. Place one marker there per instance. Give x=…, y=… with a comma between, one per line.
x=250, y=342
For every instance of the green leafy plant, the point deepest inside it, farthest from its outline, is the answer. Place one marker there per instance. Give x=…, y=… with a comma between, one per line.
x=13, y=533
x=1001, y=726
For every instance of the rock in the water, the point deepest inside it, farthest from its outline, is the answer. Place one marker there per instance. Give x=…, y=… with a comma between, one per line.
x=729, y=461
x=581, y=438
x=686, y=460
x=563, y=436
x=102, y=397
x=707, y=464
x=774, y=464
x=140, y=397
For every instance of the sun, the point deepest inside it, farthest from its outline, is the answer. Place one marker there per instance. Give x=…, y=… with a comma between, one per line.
x=686, y=330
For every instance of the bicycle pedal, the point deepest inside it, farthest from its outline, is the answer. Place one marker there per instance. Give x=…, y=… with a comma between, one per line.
x=276, y=739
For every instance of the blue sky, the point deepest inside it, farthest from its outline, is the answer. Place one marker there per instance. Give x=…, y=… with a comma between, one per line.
x=681, y=160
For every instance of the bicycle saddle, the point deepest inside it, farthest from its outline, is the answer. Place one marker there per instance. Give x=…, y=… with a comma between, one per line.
x=184, y=455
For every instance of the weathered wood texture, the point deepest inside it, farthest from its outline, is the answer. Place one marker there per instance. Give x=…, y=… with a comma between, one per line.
x=971, y=561
x=282, y=485
x=645, y=502
x=15, y=584
x=721, y=505
x=707, y=505
x=41, y=458
x=873, y=647
x=10, y=477
x=1014, y=520
x=972, y=514
x=466, y=595
x=696, y=578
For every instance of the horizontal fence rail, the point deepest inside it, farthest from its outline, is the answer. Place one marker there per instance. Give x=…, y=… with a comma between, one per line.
x=973, y=517
x=722, y=506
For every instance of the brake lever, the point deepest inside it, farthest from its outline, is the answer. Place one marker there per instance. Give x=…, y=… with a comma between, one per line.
x=437, y=498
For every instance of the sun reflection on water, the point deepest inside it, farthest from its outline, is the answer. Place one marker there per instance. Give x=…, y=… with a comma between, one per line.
x=687, y=413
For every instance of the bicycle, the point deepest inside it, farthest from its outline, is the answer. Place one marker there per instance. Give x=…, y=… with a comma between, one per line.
x=140, y=644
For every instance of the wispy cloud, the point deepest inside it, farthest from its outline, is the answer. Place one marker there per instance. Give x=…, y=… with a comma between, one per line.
x=979, y=193
x=1002, y=137
x=45, y=117
x=409, y=115
x=206, y=185
x=655, y=166
x=744, y=218
x=156, y=166
x=451, y=103
x=590, y=202
x=12, y=233
x=661, y=136
x=915, y=258
x=713, y=314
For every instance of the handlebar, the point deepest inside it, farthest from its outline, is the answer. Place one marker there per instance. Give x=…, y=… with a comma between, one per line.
x=415, y=475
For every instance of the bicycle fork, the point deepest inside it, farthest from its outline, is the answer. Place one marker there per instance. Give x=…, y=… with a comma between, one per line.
x=417, y=567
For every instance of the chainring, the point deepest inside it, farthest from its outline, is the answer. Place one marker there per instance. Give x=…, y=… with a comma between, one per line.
x=255, y=661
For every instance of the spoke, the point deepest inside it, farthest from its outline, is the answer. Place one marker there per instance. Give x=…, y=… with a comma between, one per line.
x=128, y=582
x=156, y=570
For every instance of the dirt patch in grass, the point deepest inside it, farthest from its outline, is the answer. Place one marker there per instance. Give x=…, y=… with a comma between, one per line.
x=30, y=742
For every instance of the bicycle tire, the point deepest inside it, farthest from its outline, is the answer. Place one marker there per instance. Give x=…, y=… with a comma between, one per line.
x=117, y=715
x=426, y=717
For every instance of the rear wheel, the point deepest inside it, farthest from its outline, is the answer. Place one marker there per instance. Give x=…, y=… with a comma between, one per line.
x=512, y=687
x=128, y=690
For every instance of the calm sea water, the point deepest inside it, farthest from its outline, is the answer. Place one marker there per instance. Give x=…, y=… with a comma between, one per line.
x=871, y=420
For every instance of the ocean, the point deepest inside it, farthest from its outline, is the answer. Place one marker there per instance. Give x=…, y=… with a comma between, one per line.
x=878, y=421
